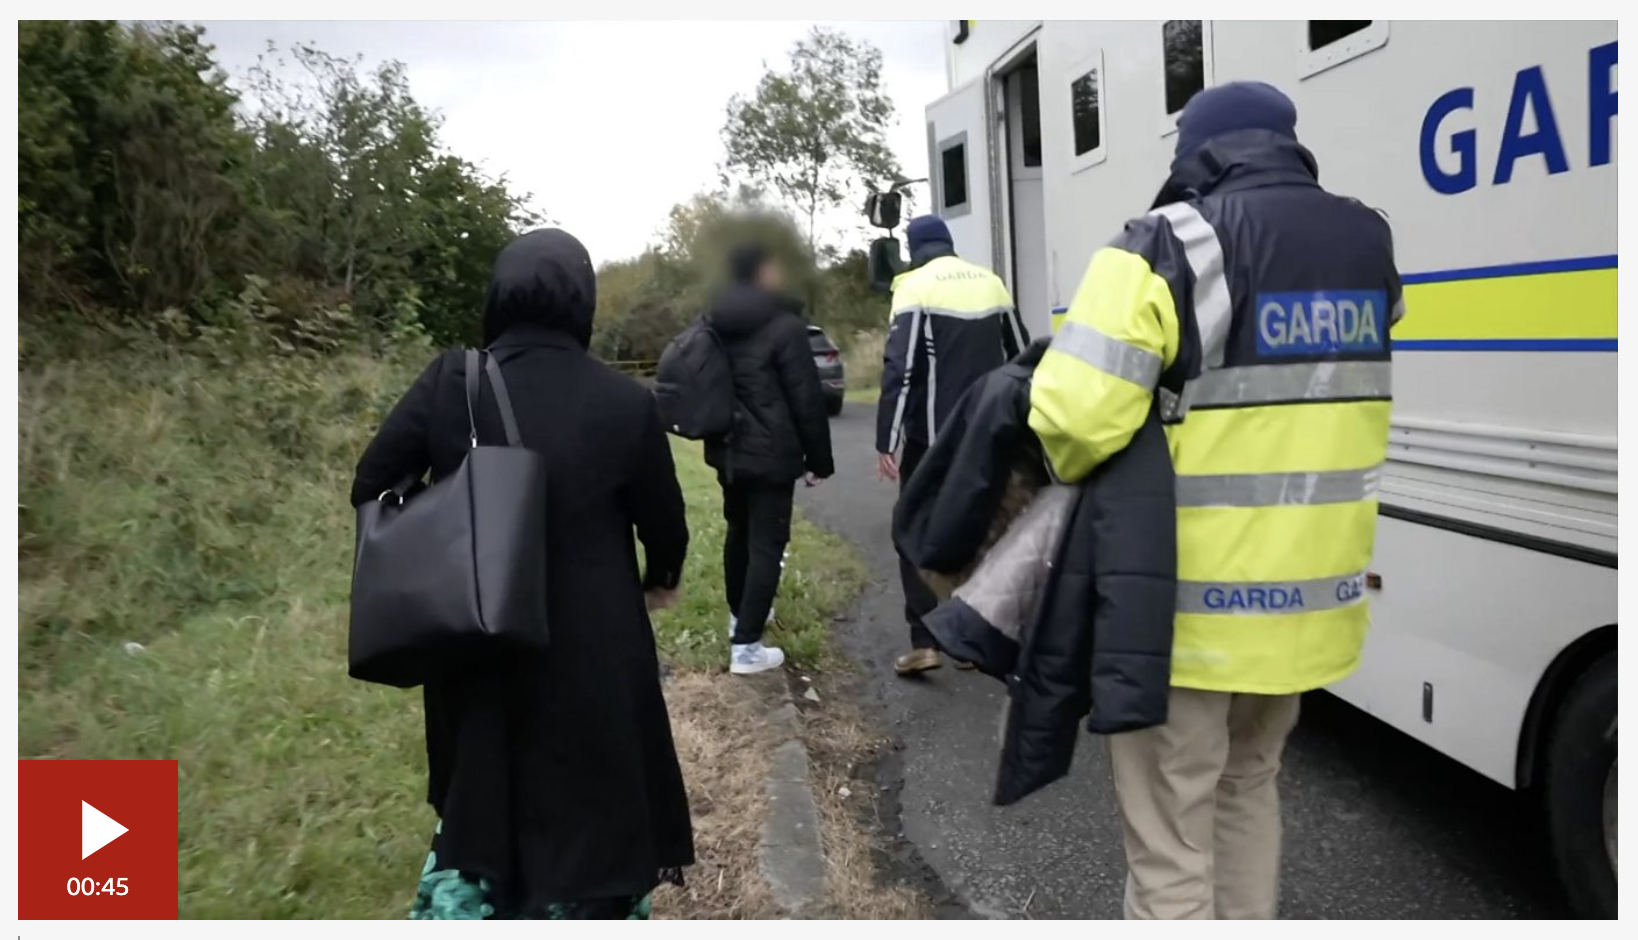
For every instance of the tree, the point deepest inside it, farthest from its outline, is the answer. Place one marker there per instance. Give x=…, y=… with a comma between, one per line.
x=642, y=303
x=130, y=194
x=367, y=200
x=816, y=130
x=645, y=301
x=149, y=191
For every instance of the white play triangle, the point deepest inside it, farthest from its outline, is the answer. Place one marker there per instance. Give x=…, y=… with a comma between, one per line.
x=96, y=829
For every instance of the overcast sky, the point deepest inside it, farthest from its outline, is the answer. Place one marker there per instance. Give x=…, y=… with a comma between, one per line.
x=607, y=125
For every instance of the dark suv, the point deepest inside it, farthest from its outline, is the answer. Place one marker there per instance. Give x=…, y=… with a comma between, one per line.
x=829, y=360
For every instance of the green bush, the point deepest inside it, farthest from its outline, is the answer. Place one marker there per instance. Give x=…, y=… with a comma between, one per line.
x=147, y=189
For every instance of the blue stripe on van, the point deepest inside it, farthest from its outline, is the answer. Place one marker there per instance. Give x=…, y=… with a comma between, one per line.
x=1556, y=266
x=1504, y=345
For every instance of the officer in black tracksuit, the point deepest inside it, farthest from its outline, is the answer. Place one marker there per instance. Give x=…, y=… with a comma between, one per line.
x=952, y=322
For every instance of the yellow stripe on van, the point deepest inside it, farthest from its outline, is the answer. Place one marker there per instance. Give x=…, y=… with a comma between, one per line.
x=1564, y=305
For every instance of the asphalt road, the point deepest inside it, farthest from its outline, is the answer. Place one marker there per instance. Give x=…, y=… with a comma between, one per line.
x=1376, y=824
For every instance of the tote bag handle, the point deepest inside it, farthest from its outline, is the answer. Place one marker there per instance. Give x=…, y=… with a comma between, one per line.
x=503, y=399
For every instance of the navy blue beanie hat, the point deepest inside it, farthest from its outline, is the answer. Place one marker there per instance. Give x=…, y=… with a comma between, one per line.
x=927, y=229
x=1237, y=106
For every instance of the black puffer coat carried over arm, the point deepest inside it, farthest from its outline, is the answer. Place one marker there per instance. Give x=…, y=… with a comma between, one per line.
x=1090, y=601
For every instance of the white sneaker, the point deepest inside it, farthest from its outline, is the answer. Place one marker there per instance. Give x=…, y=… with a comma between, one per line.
x=750, y=658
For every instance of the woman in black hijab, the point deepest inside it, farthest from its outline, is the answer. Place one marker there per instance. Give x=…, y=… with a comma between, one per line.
x=554, y=775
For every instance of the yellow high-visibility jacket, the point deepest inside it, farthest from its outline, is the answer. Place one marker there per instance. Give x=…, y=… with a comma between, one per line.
x=1259, y=316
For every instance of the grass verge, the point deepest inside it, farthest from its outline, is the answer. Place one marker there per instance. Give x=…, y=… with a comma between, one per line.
x=863, y=361
x=184, y=554
x=863, y=396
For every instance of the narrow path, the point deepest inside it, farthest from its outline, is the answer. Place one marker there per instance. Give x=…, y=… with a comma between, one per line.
x=1377, y=826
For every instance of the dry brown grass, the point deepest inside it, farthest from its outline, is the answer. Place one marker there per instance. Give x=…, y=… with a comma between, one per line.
x=842, y=748
x=724, y=749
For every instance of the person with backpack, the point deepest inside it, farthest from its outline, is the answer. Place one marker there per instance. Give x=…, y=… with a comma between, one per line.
x=778, y=431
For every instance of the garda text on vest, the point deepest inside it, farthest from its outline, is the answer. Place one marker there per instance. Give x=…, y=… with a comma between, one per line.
x=1322, y=323
x=1283, y=598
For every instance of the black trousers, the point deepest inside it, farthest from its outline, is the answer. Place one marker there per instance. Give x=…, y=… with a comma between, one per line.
x=919, y=599
x=759, y=526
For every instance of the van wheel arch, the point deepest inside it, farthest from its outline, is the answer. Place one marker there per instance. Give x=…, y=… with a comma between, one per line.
x=1567, y=760
x=1577, y=786
x=1555, y=684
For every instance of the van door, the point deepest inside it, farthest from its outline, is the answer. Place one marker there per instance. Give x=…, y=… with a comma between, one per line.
x=959, y=162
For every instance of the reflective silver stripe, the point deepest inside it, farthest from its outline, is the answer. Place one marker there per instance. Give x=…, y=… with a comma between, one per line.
x=1293, y=382
x=1107, y=354
x=1174, y=406
x=1270, y=597
x=896, y=430
x=932, y=384
x=1213, y=308
x=1278, y=489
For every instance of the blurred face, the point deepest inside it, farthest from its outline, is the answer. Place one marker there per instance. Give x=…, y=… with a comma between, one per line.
x=771, y=276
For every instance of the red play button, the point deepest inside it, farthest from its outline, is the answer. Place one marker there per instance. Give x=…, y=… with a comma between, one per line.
x=122, y=866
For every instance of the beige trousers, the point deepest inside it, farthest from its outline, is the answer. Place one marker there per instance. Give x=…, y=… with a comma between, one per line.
x=1200, y=809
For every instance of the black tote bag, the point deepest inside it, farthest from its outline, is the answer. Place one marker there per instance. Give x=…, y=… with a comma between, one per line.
x=456, y=571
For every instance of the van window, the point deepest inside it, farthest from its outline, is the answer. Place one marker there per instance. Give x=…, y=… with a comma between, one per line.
x=1322, y=33
x=1183, y=48
x=953, y=171
x=1088, y=128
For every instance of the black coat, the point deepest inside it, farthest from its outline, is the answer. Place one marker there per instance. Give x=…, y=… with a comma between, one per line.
x=1099, y=643
x=555, y=774
x=781, y=426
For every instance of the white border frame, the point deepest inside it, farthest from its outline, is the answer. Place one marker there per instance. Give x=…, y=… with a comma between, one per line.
x=1311, y=62
x=1079, y=162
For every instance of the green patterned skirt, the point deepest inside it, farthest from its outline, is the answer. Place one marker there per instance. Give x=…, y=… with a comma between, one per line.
x=448, y=894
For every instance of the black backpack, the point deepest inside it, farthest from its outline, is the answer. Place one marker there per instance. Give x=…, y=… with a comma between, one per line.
x=694, y=385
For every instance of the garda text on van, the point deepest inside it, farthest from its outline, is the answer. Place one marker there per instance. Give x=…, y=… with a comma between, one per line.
x=1444, y=132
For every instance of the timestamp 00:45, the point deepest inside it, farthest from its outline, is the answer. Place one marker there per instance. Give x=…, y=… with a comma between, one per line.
x=90, y=887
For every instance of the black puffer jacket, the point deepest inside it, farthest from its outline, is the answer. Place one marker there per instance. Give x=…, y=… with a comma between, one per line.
x=1099, y=641
x=781, y=428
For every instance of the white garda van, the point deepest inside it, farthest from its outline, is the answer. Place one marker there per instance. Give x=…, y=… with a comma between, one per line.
x=1491, y=147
